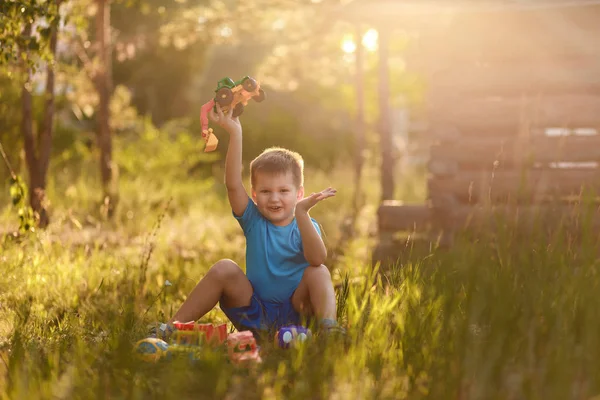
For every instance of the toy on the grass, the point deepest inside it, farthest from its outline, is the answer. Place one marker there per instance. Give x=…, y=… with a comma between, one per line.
x=151, y=349
x=288, y=336
x=193, y=334
x=190, y=340
x=229, y=94
x=242, y=348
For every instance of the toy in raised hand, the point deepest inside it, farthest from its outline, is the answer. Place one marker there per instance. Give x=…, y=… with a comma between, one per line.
x=229, y=95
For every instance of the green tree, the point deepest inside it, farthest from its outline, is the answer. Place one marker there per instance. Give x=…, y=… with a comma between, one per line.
x=103, y=83
x=22, y=50
x=17, y=18
x=90, y=38
x=160, y=51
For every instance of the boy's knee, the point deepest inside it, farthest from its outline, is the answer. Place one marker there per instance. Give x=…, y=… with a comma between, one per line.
x=317, y=272
x=225, y=269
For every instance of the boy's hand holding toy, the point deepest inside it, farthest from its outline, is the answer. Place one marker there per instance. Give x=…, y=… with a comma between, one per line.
x=227, y=105
x=226, y=121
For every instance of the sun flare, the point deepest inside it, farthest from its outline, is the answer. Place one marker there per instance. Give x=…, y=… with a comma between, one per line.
x=348, y=45
x=369, y=41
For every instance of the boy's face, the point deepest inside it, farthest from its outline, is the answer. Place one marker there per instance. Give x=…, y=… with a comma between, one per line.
x=276, y=196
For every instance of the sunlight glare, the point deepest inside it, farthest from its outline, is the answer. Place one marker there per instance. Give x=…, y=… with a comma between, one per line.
x=369, y=40
x=226, y=31
x=348, y=45
x=278, y=24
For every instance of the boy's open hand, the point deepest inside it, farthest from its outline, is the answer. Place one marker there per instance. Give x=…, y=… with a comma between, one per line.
x=309, y=202
x=226, y=121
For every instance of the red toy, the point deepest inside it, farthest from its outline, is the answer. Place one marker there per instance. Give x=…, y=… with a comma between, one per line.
x=191, y=333
x=242, y=348
x=189, y=337
x=229, y=94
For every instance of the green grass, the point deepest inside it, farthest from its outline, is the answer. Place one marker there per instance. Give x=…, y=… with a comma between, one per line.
x=501, y=316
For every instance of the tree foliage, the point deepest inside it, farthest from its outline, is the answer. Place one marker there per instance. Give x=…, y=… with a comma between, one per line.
x=161, y=48
x=168, y=55
x=15, y=18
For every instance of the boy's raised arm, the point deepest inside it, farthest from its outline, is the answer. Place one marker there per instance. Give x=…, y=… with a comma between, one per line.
x=238, y=198
x=315, y=251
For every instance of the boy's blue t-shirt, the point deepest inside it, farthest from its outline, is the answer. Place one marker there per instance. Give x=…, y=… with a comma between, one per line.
x=275, y=259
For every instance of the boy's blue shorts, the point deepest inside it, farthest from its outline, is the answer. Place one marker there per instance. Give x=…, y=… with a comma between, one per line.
x=263, y=317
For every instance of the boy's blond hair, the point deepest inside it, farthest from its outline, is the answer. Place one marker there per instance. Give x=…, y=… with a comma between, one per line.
x=277, y=160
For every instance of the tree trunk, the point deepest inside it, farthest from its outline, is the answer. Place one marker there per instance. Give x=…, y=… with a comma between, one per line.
x=385, y=126
x=38, y=191
x=35, y=180
x=28, y=138
x=360, y=120
x=103, y=86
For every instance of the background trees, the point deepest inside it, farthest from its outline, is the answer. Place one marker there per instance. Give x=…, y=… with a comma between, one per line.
x=115, y=67
x=29, y=34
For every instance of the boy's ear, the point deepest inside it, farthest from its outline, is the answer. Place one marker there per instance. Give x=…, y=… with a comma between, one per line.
x=253, y=194
x=300, y=194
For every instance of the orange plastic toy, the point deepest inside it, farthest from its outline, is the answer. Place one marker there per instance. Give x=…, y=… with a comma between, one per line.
x=229, y=94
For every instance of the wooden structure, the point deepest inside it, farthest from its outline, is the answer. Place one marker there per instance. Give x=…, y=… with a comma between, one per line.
x=513, y=113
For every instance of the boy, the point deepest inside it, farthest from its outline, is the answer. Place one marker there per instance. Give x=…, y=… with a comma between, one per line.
x=285, y=277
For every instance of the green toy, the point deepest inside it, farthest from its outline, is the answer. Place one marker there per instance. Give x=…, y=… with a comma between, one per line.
x=228, y=95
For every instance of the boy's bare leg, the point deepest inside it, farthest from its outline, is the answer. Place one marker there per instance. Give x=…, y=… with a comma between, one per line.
x=225, y=282
x=315, y=294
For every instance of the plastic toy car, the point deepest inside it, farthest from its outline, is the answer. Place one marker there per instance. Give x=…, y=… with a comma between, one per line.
x=229, y=94
x=242, y=348
x=151, y=349
x=288, y=336
x=193, y=334
x=191, y=340
x=236, y=94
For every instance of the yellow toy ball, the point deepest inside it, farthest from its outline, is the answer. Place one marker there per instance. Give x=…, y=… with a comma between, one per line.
x=151, y=349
